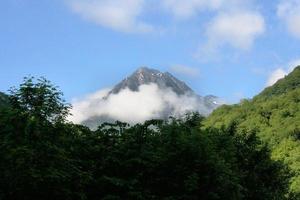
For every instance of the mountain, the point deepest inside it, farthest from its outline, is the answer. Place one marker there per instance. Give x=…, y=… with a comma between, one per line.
x=182, y=98
x=146, y=75
x=275, y=115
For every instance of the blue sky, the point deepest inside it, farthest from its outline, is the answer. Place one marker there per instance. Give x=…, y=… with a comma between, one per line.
x=231, y=48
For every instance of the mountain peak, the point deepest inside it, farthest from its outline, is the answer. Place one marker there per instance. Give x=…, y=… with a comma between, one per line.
x=145, y=70
x=166, y=105
x=145, y=75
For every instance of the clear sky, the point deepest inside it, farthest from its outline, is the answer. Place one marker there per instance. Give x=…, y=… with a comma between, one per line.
x=229, y=48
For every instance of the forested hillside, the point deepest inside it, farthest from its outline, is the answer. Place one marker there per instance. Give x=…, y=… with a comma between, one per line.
x=43, y=156
x=275, y=116
x=289, y=83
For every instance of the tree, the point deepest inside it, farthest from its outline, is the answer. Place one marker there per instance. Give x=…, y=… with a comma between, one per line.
x=36, y=161
x=39, y=99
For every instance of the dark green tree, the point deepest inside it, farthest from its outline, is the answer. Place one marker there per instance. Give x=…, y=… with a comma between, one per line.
x=39, y=99
x=35, y=160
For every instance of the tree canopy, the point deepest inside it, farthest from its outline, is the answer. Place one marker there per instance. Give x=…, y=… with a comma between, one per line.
x=275, y=115
x=40, y=99
x=43, y=156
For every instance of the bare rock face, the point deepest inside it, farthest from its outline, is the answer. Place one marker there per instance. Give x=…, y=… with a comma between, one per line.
x=146, y=75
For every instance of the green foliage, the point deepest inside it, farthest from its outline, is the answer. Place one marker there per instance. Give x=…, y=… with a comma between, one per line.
x=39, y=99
x=4, y=100
x=45, y=157
x=275, y=115
x=289, y=83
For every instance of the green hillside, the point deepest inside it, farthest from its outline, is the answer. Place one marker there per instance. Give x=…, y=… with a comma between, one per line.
x=275, y=114
x=289, y=83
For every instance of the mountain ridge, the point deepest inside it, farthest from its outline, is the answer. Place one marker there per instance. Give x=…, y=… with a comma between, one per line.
x=173, y=96
x=145, y=75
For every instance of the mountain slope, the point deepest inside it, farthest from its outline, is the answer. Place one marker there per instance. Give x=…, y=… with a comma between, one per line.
x=147, y=94
x=146, y=75
x=275, y=114
x=290, y=82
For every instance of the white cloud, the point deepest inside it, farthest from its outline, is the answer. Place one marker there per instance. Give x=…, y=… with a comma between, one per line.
x=119, y=15
x=289, y=12
x=291, y=66
x=275, y=76
x=133, y=107
x=281, y=72
x=188, y=8
x=234, y=22
x=238, y=29
x=185, y=70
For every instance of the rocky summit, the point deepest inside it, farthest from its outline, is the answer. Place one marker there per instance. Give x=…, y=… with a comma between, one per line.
x=186, y=99
x=145, y=75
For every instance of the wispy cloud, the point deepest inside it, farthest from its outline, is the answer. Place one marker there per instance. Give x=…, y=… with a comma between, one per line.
x=185, y=70
x=276, y=75
x=235, y=23
x=281, y=72
x=119, y=15
x=189, y=8
x=289, y=12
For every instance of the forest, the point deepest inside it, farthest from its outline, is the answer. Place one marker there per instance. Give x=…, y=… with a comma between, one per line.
x=275, y=115
x=246, y=151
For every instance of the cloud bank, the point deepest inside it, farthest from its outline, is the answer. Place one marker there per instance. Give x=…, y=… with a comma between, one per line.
x=133, y=107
